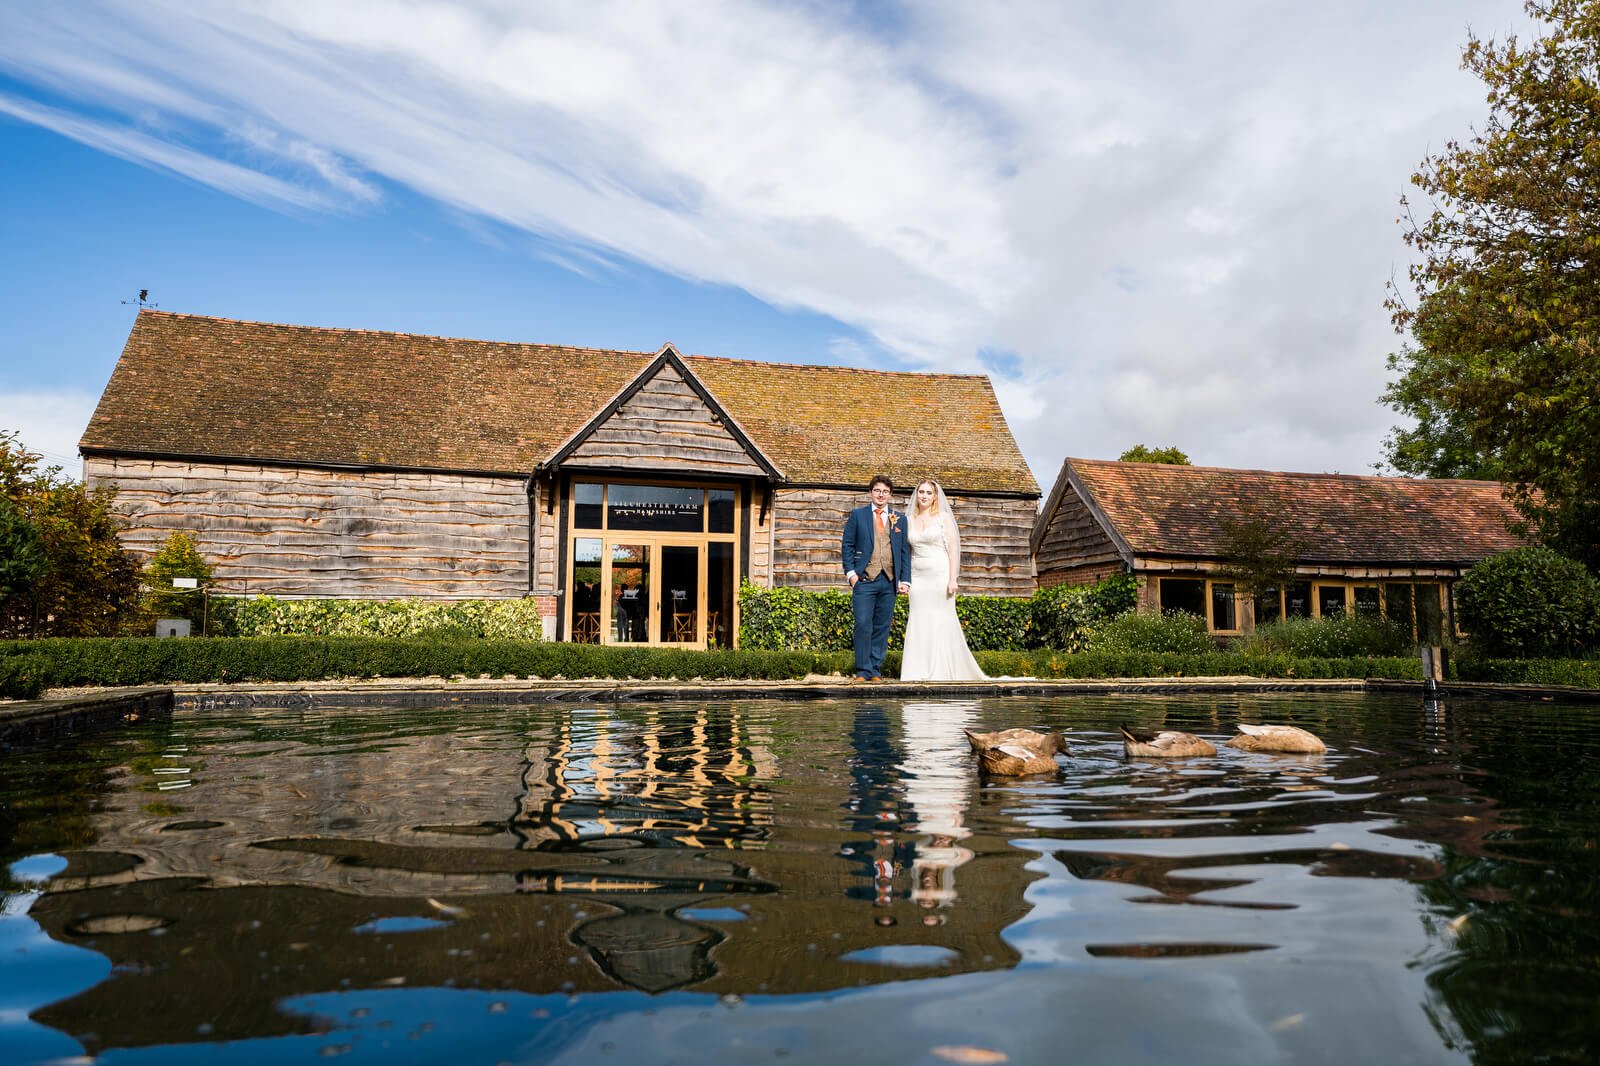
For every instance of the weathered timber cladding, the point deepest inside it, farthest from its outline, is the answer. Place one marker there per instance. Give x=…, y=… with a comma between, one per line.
x=1075, y=549
x=664, y=427
x=546, y=524
x=995, y=560
x=300, y=532
x=760, y=536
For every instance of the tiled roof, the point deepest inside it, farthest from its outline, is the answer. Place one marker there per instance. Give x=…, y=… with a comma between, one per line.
x=189, y=385
x=1164, y=510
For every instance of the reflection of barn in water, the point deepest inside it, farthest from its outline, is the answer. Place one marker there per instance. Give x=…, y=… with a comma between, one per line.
x=647, y=847
x=641, y=792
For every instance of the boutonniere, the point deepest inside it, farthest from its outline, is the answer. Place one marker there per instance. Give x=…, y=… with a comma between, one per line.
x=893, y=521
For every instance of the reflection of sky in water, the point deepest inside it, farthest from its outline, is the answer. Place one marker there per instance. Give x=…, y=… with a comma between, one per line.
x=36, y=970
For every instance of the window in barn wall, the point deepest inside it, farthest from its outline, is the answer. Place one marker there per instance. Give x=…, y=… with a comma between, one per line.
x=1224, y=619
x=1183, y=594
x=667, y=557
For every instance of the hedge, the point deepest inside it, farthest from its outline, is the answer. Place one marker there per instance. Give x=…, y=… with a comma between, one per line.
x=268, y=616
x=150, y=660
x=1063, y=616
x=27, y=665
x=1574, y=673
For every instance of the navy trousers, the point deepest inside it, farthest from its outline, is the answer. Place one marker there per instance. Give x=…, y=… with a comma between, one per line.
x=872, y=602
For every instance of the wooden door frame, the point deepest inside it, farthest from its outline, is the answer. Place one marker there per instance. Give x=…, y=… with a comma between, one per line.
x=655, y=540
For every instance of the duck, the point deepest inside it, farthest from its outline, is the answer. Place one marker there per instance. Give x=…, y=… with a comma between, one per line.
x=1014, y=752
x=1282, y=738
x=1163, y=744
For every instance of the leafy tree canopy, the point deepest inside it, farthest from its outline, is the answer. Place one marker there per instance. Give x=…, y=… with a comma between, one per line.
x=178, y=557
x=1257, y=552
x=1139, y=453
x=1501, y=374
x=90, y=584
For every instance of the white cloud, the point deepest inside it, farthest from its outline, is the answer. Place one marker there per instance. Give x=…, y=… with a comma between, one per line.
x=50, y=424
x=1177, y=217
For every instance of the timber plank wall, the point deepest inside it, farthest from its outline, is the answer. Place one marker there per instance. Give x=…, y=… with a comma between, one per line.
x=665, y=428
x=1074, y=549
x=296, y=532
x=995, y=531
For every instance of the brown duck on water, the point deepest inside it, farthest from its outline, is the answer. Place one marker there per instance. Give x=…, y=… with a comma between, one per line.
x=1277, y=738
x=1163, y=744
x=1013, y=752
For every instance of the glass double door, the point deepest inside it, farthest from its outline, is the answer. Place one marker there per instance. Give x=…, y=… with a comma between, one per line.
x=629, y=589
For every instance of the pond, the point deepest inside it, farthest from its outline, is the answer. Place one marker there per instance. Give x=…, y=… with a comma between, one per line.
x=805, y=882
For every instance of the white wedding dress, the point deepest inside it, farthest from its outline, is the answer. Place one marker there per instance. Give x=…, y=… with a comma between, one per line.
x=936, y=646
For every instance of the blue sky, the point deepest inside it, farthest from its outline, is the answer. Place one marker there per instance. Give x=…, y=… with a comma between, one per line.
x=1168, y=223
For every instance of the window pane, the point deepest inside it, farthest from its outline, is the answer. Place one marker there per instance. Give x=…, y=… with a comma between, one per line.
x=1430, y=616
x=1183, y=594
x=586, y=590
x=1297, y=599
x=680, y=610
x=720, y=588
x=1269, y=606
x=719, y=503
x=630, y=593
x=1222, y=607
x=659, y=508
x=1330, y=600
x=1367, y=600
x=585, y=506
x=1397, y=607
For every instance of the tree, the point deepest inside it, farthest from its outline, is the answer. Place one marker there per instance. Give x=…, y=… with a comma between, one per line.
x=178, y=557
x=1141, y=454
x=1257, y=553
x=23, y=561
x=92, y=583
x=1502, y=370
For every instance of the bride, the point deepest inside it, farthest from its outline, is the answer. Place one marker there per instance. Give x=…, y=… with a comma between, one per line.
x=936, y=647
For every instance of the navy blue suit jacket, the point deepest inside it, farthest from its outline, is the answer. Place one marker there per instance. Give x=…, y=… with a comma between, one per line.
x=856, y=548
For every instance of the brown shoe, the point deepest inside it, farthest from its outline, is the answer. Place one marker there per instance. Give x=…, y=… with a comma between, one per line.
x=856, y=679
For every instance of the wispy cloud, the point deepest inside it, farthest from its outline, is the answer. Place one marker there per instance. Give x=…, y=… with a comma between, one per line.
x=1175, y=220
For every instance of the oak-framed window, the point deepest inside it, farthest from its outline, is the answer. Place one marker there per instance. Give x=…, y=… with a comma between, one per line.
x=652, y=563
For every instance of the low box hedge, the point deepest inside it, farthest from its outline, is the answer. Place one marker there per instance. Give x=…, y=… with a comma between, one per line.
x=26, y=667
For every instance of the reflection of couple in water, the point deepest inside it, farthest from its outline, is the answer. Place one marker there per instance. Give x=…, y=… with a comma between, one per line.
x=925, y=790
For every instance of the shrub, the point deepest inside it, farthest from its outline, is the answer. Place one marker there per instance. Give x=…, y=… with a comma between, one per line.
x=178, y=557
x=1066, y=616
x=1336, y=636
x=1174, y=632
x=23, y=677
x=265, y=616
x=1577, y=673
x=1529, y=603
x=821, y=619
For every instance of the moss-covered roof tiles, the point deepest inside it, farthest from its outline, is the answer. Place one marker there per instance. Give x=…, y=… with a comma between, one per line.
x=188, y=385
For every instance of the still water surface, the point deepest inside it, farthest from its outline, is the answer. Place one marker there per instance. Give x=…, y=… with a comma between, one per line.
x=804, y=882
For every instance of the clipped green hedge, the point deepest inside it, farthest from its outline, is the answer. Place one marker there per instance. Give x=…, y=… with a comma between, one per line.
x=268, y=616
x=28, y=666
x=150, y=660
x=1335, y=636
x=23, y=676
x=1059, y=617
x=1530, y=602
x=1574, y=673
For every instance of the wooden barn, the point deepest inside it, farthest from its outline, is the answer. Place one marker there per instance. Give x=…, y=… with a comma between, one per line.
x=629, y=492
x=1381, y=545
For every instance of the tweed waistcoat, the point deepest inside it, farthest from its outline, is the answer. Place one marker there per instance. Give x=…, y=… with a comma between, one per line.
x=881, y=561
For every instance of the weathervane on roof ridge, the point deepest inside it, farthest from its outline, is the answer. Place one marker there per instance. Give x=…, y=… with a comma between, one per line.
x=143, y=299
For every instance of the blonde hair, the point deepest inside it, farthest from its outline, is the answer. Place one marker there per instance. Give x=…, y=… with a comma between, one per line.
x=916, y=508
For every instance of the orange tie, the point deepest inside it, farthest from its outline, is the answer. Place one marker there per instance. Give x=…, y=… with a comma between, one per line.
x=879, y=513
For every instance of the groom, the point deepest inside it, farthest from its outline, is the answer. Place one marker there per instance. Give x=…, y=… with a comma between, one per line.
x=877, y=561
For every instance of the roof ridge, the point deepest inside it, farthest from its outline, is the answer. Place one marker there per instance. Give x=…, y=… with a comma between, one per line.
x=386, y=333
x=1331, y=475
x=836, y=366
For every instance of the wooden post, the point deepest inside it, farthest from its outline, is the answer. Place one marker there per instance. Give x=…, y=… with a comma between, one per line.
x=1433, y=669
